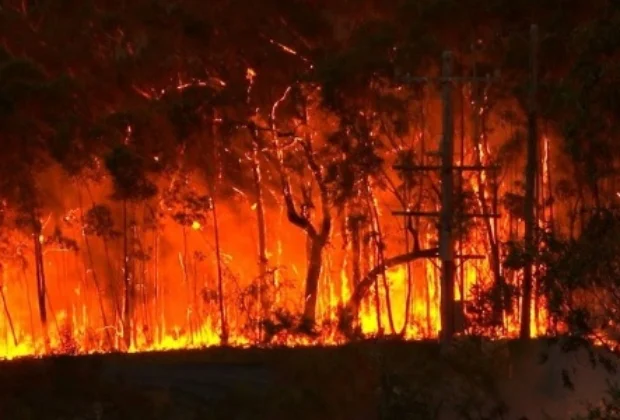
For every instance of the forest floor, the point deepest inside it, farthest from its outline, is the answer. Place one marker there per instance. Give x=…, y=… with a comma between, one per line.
x=365, y=380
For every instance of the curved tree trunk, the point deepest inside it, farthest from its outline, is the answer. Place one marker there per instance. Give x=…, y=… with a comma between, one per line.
x=362, y=288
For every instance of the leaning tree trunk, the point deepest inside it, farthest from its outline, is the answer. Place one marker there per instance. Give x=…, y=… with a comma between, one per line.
x=360, y=291
x=7, y=312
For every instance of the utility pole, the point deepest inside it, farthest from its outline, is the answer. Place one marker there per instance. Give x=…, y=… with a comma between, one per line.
x=530, y=187
x=446, y=214
x=446, y=239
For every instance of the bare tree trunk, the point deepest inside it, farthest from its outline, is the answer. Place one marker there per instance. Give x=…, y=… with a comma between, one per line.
x=416, y=244
x=220, y=277
x=530, y=191
x=144, y=271
x=354, y=224
x=494, y=257
x=380, y=258
x=446, y=240
x=409, y=295
x=263, y=262
x=29, y=299
x=549, y=183
x=126, y=282
x=186, y=281
x=95, y=280
x=118, y=311
x=312, y=279
x=213, y=189
x=9, y=318
x=160, y=307
x=98, y=290
x=40, y=277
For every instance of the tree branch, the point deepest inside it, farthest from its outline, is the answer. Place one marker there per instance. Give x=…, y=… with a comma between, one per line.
x=318, y=177
x=291, y=211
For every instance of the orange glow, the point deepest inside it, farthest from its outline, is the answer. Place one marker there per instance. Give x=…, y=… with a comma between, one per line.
x=173, y=268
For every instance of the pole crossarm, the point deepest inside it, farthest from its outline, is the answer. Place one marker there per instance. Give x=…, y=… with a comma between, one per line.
x=457, y=79
x=438, y=214
x=462, y=168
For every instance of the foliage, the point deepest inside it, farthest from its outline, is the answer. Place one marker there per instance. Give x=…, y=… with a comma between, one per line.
x=581, y=276
x=480, y=310
x=128, y=171
x=462, y=381
x=608, y=408
x=98, y=221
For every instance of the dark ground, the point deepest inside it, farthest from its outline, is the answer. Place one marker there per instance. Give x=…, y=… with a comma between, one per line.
x=366, y=380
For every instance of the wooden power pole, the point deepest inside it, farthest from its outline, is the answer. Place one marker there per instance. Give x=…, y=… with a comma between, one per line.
x=446, y=237
x=530, y=188
x=446, y=214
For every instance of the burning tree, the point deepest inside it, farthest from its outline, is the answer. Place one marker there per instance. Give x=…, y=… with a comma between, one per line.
x=277, y=132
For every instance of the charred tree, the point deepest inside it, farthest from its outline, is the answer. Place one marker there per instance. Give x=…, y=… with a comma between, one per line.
x=317, y=236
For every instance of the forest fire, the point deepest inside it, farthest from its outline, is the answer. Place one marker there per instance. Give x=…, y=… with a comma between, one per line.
x=345, y=209
x=170, y=260
x=174, y=271
x=78, y=335
x=260, y=189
